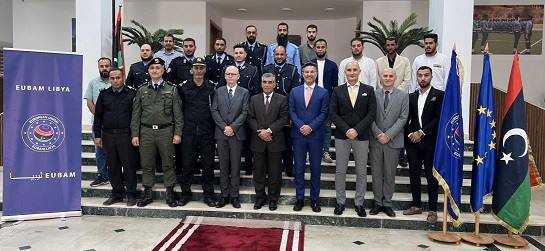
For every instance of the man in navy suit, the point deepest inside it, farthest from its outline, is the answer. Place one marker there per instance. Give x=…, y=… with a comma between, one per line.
x=328, y=78
x=308, y=105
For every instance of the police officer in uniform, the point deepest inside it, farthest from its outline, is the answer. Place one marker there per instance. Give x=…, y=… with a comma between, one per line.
x=215, y=63
x=257, y=52
x=156, y=126
x=180, y=67
x=249, y=75
x=138, y=72
x=287, y=78
x=112, y=132
x=198, y=133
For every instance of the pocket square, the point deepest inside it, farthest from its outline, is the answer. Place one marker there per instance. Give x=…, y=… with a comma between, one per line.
x=433, y=98
x=364, y=94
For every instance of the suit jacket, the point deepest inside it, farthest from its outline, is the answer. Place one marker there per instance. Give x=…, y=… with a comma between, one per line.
x=331, y=75
x=230, y=114
x=430, y=117
x=138, y=75
x=402, y=67
x=359, y=117
x=392, y=120
x=249, y=78
x=275, y=119
x=256, y=57
x=286, y=79
x=213, y=69
x=314, y=115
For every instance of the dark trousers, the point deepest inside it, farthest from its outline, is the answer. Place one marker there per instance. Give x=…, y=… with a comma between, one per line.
x=121, y=159
x=483, y=40
x=267, y=164
x=418, y=154
x=301, y=147
x=287, y=157
x=194, y=146
x=229, y=151
x=516, y=35
x=528, y=38
x=247, y=152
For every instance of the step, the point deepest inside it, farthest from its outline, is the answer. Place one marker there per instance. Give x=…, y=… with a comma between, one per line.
x=158, y=209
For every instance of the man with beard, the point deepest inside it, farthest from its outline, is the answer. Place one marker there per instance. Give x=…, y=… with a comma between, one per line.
x=292, y=51
x=307, y=50
x=437, y=61
x=257, y=52
x=138, y=72
x=215, y=63
x=91, y=95
x=168, y=53
x=368, y=68
x=287, y=78
x=180, y=67
x=400, y=64
x=328, y=75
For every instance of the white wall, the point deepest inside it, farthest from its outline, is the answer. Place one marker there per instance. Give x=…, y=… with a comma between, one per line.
x=337, y=32
x=6, y=22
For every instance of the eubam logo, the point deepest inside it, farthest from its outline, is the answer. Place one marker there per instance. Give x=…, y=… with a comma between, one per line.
x=43, y=133
x=453, y=138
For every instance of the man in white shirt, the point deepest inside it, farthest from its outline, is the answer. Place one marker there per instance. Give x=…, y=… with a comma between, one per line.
x=438, y=62
x=368, y=74
x=400, y=64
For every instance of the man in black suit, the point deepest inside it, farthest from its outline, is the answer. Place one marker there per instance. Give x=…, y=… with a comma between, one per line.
x=421, y=132
x=267, y=116
x=256, y=51
x=138, y=72
x=215, y=63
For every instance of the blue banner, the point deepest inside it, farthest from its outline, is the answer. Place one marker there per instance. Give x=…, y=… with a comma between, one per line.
x=449, y=149
x=42, y=134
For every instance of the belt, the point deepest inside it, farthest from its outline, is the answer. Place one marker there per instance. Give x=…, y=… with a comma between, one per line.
x=117, y=131
x=155, y=127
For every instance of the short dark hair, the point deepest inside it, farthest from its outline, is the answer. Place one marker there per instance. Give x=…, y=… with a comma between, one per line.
x=432, y=36
x=168, y=35
x=392, y=39
x=188, y=39
x=239, y=46
x=282, y=23
x=104, y=58
x=320, y=40
x=310, y=64
x=251, y=25
x=356, y=39
x=115, y=69
x=222, y=39
x=424, y=67
x=312, y=26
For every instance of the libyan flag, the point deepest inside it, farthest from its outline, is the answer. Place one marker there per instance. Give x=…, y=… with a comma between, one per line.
x=117, y=44
x=512, y=193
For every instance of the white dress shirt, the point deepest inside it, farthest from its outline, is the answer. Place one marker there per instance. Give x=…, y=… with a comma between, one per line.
x=321, y=66
x=421, y=102
x=440, y=66
x=368, y=74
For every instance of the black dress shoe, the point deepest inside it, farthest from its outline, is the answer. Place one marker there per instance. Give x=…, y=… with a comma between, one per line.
x=171, y=198
x=361, y=211
x=375, y=210
x=289, y=171
x=315, y=205
x=339, y=209
x=273, y=205
x=389, y=211
x=146, y=199
x=248, y=172
x=259, y=203
x=112, y=200
x=222, y=202
x=184, y=200
x=235, y=202
x=209, y=201
x=298, y=205
x=403, y=163
x=131, y=201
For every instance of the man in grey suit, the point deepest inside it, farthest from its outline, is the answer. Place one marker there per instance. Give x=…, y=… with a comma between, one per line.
x=229, y=110
x=387, y=140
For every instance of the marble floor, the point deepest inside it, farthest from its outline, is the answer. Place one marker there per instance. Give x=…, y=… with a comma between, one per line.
x=128, y=233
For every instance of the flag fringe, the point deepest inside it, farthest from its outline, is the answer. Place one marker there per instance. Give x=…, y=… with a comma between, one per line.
x=446, y=189
x=509, y=227
x=486, y=196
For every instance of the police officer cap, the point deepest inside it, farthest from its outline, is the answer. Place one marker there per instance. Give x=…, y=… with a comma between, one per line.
x=157, y=61
x=198, y=61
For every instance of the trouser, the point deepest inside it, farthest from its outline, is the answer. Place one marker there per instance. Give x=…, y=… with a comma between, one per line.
x=229, y=151
x=153, y=142
x=302, y=146
x=528, y=38
x=484, y=39
x=247, y=152
x=121, y=158
x=360, y=149
x=267, y=165
x=383, y=168
x=192, y=147
x=516, y=35
x=475, y=37
x=287, y=157
x=327, y=136
x=102, y=168
x=421, y=154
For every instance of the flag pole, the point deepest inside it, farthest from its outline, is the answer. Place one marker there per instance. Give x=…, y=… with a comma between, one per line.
x=445, y=236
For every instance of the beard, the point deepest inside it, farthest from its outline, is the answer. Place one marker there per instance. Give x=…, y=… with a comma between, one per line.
x=356, y=55
x=311, y=39
x=251, y=39
x=320, y=54
x=147, y=59
x=424, y=84
x=282, y=40
x=104, y=74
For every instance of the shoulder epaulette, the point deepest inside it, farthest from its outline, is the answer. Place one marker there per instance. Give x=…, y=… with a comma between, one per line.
x=262, y=44
x=130, y=87
x=105, y=89
x=169, y=83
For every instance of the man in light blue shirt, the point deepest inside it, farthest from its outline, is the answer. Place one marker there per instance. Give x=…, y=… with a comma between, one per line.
x=292, y=51
x=168, y=52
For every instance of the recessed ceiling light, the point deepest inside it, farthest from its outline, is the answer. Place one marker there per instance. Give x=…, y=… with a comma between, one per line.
x=286, y=9
x=242, y=9
x=329, y=9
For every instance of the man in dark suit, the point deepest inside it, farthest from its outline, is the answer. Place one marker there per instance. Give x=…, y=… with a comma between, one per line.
x=308, y=105
x=328, y=78
x=215, y=63
x=352, y=110
x=421, y=132
x=267, y=116
x=229, y=110
x=249, y=75
x=138, y=72
x=257, y=52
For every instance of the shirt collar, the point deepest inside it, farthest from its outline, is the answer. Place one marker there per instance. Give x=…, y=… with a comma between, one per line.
x=159, y=83
x=279, y=65
x=270, y=95
x=312, y=86
x=425, y=93
x=234, y=88
x=240, y=65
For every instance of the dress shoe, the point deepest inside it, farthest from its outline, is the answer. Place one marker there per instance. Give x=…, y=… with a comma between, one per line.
x=298, y=205
x=273, y=205
x=315, y=205
x=186, y=198
x=289, y=171
x=131, y=200
x=209, y=201
x=222, y=202
x=375, y=210
x=412, y=211
x=235, y=202
x=403, y=163
x=389, y=211
x=361, y=211
x=171, y=198
x=259, y=203
x=248, y=172
x=339, y=209
x=432, y=217
x=112, y=200
x=327, y=158
x=146, y=199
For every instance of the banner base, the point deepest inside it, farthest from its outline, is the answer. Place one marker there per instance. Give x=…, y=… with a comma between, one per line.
x=41, y=216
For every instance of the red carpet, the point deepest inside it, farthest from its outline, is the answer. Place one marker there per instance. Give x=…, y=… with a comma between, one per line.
x=208, y=233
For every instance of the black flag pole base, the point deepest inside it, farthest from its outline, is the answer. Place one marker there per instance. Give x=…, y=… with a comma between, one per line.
x=514, y=241
x=445, y=237
x=477, y=239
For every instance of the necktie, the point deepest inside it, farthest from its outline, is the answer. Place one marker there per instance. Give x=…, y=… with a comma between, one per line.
x=156, y=86
x=386, y=99
x=308, y=95
x=267, y=103
x=353, y=95
x=251, y=48
x=239, y=68
x=230, y=96
x=219, y=60
x=278, y=68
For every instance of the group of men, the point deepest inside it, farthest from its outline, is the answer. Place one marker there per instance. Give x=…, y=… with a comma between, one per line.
x=275, y=106
x=516, y=25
